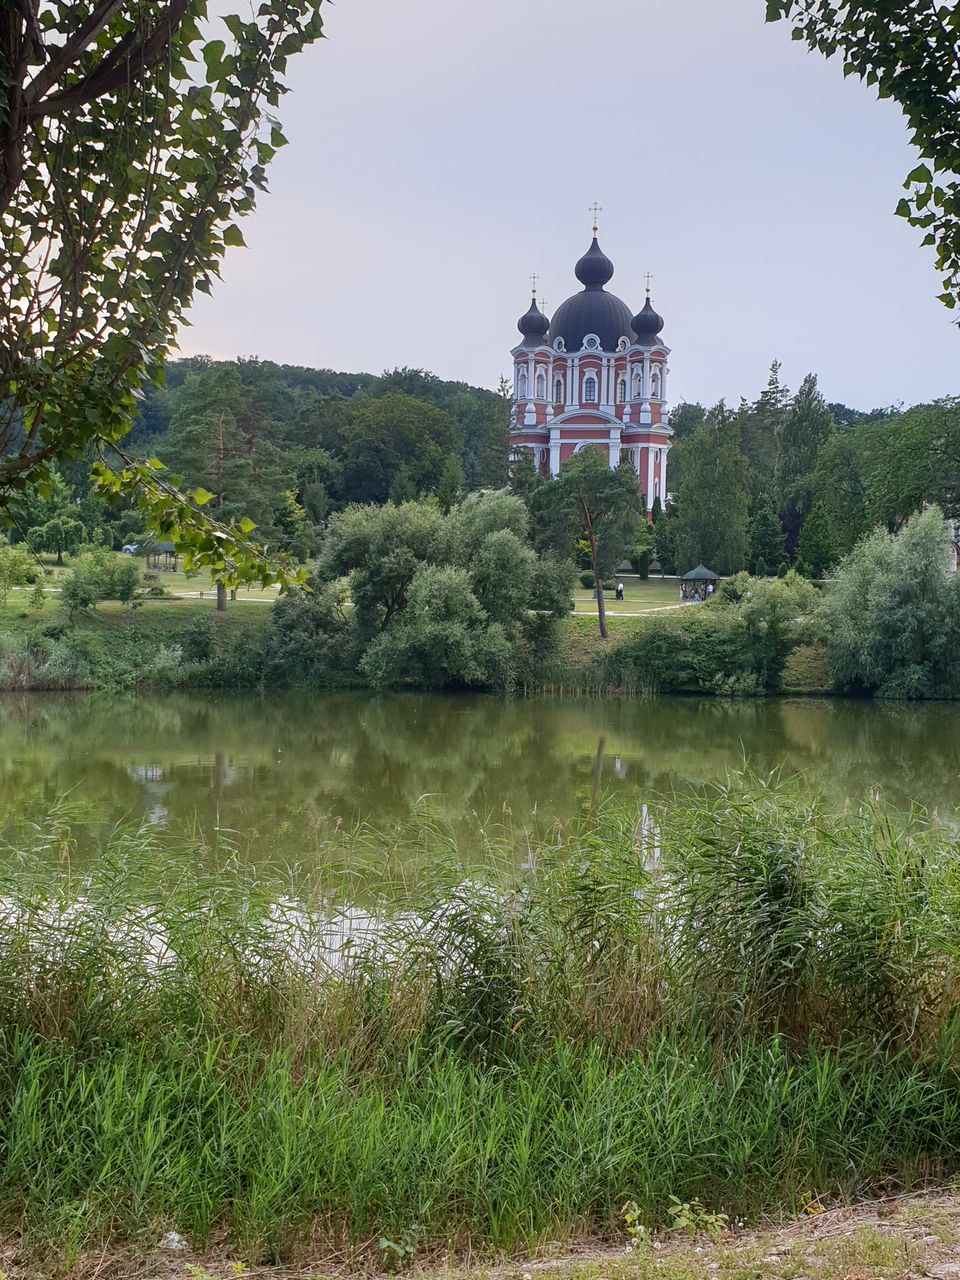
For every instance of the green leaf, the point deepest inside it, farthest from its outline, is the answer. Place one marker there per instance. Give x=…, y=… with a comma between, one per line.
x=246, y=525
x=920, y=174
x=201, y=496
x=234, y=236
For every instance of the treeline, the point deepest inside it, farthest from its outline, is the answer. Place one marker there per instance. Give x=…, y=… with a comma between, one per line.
x=792, y=480
x=287, y=447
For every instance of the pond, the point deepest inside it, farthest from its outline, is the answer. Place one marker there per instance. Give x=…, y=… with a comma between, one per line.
x=273, y=775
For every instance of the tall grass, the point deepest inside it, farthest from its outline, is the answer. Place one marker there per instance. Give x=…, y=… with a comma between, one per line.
x=749, y=1000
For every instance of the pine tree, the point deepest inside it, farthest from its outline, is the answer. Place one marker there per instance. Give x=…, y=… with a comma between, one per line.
x=760, y=427
x=807, y=425
x=713, y=497
x=816, y=547
x=450, y=484
x=766, y=533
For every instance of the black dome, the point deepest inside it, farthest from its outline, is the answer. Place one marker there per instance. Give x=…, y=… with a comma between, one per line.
x=594, y=269
x=533, y=324
x=647, y=324
x=592, y=311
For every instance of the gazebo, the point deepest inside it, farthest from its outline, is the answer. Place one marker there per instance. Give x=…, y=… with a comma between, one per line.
x=702, y=582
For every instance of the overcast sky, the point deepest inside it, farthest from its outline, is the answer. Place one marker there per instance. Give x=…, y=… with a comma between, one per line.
x=441, y=150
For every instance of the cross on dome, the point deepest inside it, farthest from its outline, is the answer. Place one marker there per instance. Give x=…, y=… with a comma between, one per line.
x=533, y=280
x=596, y=210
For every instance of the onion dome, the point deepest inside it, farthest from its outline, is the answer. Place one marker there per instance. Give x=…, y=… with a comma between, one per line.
x=647, y=324
x=533, y=324
x=594, y=269
x=593, y=310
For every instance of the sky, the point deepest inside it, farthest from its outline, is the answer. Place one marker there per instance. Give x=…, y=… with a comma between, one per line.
x=440, y=151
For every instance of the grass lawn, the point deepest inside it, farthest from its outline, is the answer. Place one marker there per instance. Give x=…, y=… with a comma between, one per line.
x=639, y=596
x=153, y=617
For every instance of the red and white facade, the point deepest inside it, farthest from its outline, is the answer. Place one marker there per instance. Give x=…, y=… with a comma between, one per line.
x=596, y=375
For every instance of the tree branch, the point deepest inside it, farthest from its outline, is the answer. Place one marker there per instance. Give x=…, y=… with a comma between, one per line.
x=115, y=70
x=62, y=59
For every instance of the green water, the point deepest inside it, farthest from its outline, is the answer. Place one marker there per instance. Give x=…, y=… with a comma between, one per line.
x=274, y=774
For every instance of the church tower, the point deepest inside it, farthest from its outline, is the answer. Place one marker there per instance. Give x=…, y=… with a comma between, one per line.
x=594, y=374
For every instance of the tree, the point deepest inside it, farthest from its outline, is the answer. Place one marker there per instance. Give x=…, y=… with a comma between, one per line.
x=816, y=548
x=713, y=498
x=591, y=499
x=760, y=427
x=450, y=484
x=910, y=51
x=805, y=428
x=380, y=549
x=891, y=621
x=392, y=432
x=765, y=532
x=17, y=568
x=122, y=171
x=444, y=638
x=62, y=532
x=57, y=526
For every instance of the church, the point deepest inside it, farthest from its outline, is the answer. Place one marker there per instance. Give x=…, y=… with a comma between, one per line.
x=593, y=374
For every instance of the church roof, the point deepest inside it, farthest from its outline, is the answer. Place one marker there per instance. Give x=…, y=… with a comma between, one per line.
x=593, y=310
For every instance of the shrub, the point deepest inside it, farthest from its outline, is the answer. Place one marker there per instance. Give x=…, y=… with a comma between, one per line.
x=587, y=580
x=444, y=638
x=783, y=569
x=891, y=620
x=806, y=670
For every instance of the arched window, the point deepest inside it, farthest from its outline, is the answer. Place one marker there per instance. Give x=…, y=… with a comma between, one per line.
x=590, y=389
x=655, y=384
x=541, y=386
x=558, y=391
x=621, y=390
x=522, y=385
x=637, y=383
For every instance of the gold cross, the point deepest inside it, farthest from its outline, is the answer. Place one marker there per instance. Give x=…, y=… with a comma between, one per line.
x=596, y=210
x=533, y=280
x=648, y=278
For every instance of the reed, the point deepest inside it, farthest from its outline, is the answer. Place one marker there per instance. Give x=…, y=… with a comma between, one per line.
x=743, y=998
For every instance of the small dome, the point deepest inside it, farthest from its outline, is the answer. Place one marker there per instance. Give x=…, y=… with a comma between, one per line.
x=647, y=324
x=533, y=324
x=594, y=269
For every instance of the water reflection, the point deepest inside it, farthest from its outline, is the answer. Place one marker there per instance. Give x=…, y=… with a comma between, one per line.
x=277, y=771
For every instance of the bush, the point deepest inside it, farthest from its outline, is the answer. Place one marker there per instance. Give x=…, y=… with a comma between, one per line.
x=444, y=638
x=587, y=580
x=783, y=569
x=806, y=670
x=641, y=564
x=891, y=620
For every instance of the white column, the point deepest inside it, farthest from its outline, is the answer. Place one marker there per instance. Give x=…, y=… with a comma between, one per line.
x=645, y=406
x=614, y=446
x=663, y=477
x=649, y=477
x=573, y=382
x=554, y=451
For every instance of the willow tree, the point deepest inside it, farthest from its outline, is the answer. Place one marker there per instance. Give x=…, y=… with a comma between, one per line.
x=910, y=50
x=133, y=136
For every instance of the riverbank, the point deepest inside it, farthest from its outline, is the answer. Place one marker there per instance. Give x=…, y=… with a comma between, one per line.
x=900, y=1238
x=747, y=1002
x=185, y=643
